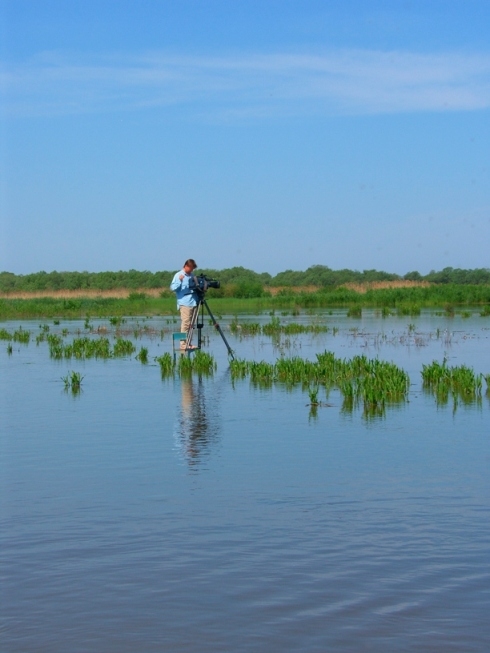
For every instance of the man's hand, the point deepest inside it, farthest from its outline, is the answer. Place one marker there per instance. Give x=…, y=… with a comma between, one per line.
x=181, y=276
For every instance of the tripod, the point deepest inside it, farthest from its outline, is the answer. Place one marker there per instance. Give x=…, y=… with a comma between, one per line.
x=199, y=323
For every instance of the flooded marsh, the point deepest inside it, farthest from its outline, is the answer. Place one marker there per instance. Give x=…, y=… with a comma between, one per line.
x=326, y=490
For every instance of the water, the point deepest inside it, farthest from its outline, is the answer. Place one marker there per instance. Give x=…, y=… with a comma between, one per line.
x=150, y=515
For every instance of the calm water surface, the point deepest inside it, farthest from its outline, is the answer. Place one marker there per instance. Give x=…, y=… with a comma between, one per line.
x=198, y=515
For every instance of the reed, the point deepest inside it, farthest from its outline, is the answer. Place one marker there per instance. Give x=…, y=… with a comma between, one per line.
x=354, y=311
x=5, y=335
x=73, y=381
x=123, y=347
x=372, y=383
x=460, y=382
x=166, y=364
x=313, y=395
x=142, y=355
x=413, y=310
x=199, y=362
x=21, y=335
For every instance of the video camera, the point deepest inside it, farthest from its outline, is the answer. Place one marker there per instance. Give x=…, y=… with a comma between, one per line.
x=201, y=283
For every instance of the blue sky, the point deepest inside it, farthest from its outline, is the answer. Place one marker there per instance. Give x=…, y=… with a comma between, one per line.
x=273, y=135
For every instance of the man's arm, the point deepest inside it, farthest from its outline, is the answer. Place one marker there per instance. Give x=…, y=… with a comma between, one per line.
x=176, y=281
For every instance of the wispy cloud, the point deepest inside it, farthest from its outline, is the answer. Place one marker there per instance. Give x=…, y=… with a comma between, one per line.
x=338, y=82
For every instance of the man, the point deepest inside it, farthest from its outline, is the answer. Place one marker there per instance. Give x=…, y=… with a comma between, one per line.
x=182, y=285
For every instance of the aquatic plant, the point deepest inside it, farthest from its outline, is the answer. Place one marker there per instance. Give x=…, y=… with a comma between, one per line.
x=272, y=328
x=460, y=382
x=123, y=347
x=385, y=311
x=73, y=381
x=5, y=335
x=55, y=343
x=90, y=348
x=9, y=349
x=373, y=383
x=142, y=356
x=184, y=365
x=354, y=311
x=166, y=363
x=203, y=363
x=409, y=309
x=21, y=335
x=313, y=395
x=239, y=368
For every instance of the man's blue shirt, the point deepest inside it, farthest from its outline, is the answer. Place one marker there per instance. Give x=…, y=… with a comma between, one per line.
x=185, y=296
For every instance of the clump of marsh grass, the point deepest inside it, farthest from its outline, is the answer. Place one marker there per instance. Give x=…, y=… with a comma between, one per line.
x=274, y=328
x=313, y=395
x=56, y=347
x=73, y=381
x=386, y=311
x=9, y=349
x=5, y=335
x=203, y=363
x=142, y=355
x=485, y=312
x=354, y=311
x=167, y=364
x=21, y=335
x=372, y=383
x=413, y=310
x=460, y=382
x=123, y=347
x=90, y=348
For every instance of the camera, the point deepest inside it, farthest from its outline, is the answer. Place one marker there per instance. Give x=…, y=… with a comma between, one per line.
x=202, y=283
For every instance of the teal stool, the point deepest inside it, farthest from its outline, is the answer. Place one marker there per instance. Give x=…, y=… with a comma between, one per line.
x=177, y=338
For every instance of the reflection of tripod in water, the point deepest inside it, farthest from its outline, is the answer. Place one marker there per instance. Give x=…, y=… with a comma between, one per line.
x=198, y=323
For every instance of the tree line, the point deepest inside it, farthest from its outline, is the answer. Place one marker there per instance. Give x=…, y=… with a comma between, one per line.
x=240, y=281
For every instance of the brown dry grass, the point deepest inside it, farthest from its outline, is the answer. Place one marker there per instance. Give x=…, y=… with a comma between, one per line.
x=119, y=293
x=294, y=289
x=123, y=293
x=380, y=285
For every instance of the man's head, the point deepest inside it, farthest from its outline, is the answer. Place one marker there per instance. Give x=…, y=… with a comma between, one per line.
x=190, y=265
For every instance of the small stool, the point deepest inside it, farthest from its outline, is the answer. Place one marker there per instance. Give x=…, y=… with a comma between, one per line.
x=177, y=338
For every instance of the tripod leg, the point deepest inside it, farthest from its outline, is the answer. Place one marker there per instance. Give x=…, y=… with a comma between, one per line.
x=195, y=313
x=218, y=328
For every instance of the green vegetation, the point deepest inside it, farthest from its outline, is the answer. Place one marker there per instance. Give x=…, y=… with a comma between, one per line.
x=461, y=382
x=409, y=300
x=166, y=363
x=50, y=307
x=73, y=382
x=123, y=347
x=142, y=356
x=21, y=335
x=373, y=383
x=236, y=282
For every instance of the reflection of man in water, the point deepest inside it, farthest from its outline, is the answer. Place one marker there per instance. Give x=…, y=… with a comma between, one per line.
x=193, y=423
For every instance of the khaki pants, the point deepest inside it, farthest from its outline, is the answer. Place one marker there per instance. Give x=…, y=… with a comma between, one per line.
x=187, y=314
